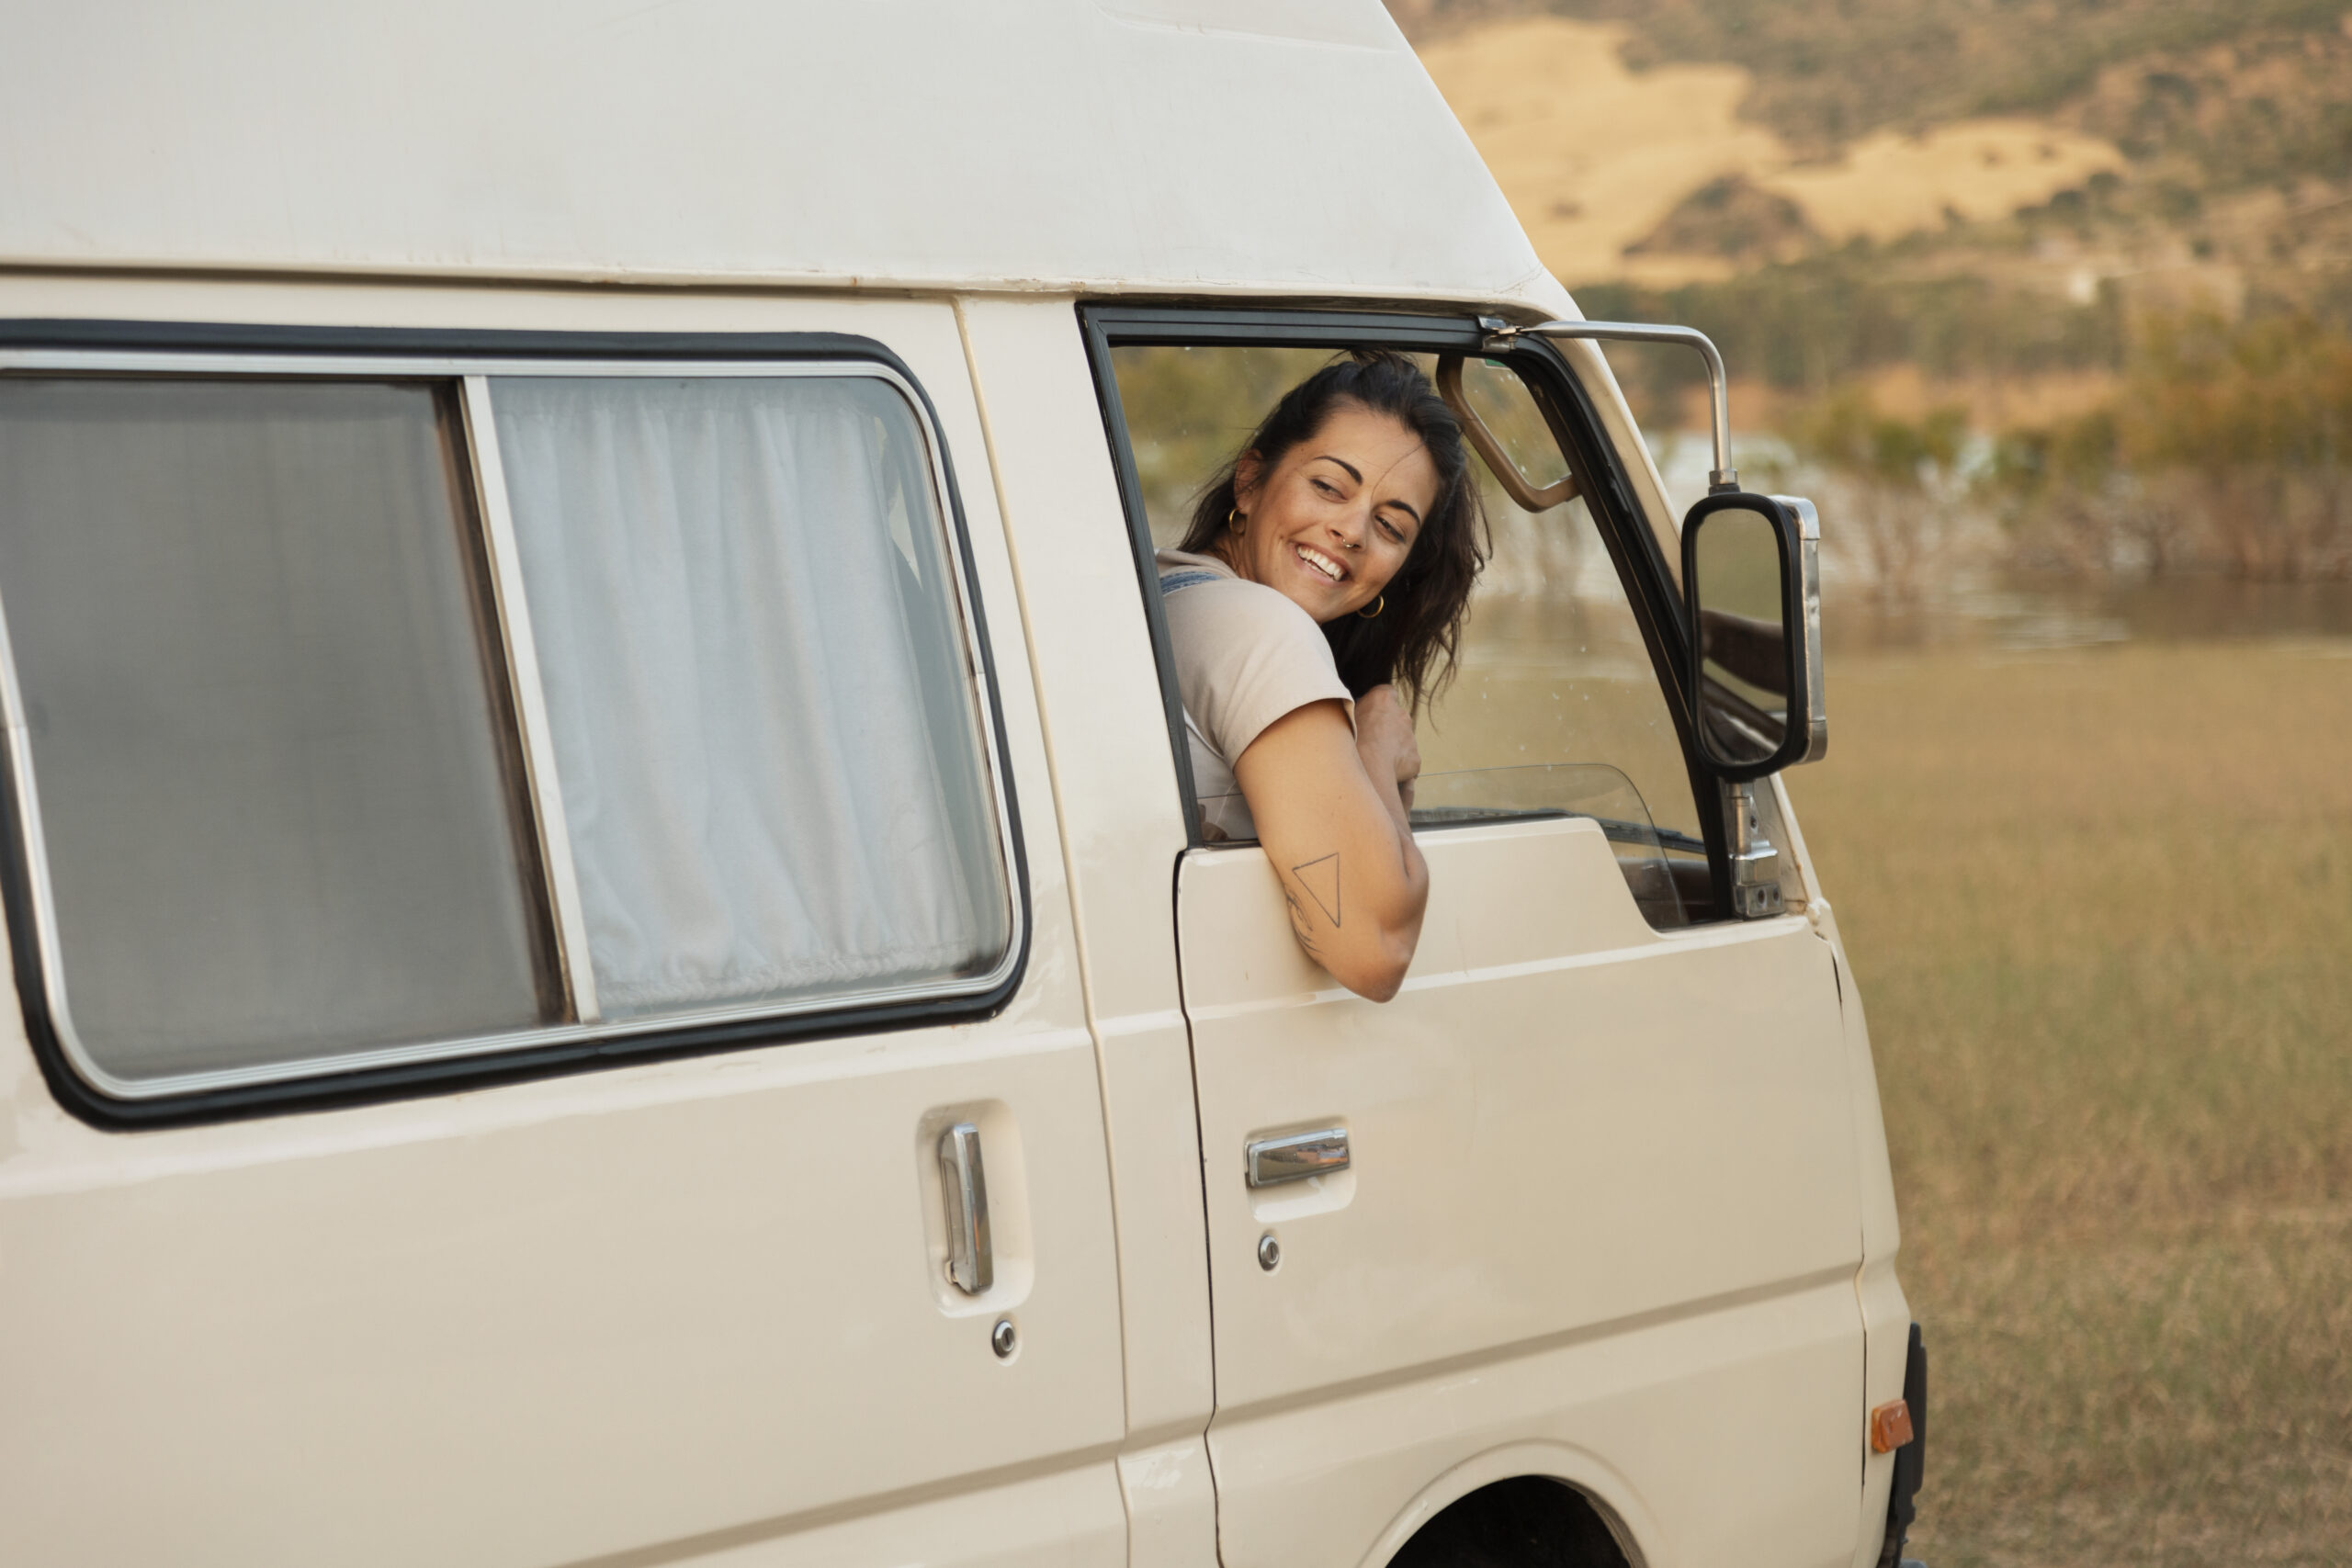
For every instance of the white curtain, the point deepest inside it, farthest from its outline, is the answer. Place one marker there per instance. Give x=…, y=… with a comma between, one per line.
x=770, y=759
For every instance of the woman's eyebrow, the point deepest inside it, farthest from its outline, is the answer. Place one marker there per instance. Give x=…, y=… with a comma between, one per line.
x=1357, y=474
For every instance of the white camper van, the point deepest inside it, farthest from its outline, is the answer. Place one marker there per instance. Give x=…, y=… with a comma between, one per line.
x=615, y=958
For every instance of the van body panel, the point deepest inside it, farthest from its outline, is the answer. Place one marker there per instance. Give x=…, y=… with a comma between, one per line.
x=1677, y=1427
x=1886, y=1333
x=1886, y=1314
x=1170, y=1492
x=1122, y=829
x=1514, y=1083
x=1120, y=816
x=1090, y=647
x=1564, y=1125
x=589, y=1331
x=624, y=1311
x=1066, y=1516
x=610, y=143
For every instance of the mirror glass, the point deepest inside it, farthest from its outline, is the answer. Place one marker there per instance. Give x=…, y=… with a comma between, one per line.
x=1743, y=639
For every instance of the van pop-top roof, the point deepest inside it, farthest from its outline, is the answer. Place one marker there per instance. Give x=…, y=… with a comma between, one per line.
x=1162, y=146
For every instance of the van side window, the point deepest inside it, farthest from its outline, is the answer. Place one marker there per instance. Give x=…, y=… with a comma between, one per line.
x=275, y=806
x=1556, y=708
x=360, y=722
x=737, y=586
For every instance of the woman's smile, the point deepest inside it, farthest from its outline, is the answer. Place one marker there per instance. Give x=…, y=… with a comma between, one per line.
x=1322, y=564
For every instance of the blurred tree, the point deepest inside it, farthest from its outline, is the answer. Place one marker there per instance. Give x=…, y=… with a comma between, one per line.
x=2068, y=500
x=1815, y=323
x=2255, y=418
x=1903, y=480
x=2228, y=443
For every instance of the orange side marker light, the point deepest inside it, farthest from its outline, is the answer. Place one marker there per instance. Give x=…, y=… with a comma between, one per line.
x=1890, y=1427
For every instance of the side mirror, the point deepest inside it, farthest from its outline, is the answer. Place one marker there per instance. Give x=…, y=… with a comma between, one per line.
x=1751, y=583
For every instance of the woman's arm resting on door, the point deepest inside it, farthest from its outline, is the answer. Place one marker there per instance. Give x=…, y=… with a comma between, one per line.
x=1332, y=818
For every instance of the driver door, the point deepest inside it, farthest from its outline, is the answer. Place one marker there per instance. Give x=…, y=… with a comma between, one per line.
x=1598, y=1210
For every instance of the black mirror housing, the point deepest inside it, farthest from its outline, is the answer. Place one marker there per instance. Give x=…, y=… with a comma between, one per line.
x=1751, y=586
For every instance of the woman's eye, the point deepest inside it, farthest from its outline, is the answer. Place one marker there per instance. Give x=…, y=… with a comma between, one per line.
x=1395, y=534
x=1325, y=487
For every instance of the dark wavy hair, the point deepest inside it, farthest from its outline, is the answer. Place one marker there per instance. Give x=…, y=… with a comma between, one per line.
x=1413, y=641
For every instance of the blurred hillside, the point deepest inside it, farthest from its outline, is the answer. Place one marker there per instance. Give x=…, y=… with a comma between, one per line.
x=2132, y=135
x=2081, y=269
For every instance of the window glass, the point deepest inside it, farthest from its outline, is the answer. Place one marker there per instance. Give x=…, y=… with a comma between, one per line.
x=773, y=771
x=1509, y=414
x=275, y=802
x=1555, y=690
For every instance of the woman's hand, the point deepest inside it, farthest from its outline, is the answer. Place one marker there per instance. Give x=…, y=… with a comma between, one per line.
x=1330, y=808
x=1385, y=742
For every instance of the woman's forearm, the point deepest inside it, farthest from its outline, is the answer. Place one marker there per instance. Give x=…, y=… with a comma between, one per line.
x=1407, y=901
x=1384, y=782
x=1340, y=841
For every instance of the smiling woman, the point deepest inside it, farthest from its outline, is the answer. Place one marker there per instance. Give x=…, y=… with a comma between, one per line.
x=1315, y=605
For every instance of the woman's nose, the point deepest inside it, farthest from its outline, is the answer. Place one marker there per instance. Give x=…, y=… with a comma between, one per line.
x=1349, y=528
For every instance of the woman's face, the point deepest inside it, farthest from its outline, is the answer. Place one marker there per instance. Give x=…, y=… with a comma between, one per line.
x=1332, y=522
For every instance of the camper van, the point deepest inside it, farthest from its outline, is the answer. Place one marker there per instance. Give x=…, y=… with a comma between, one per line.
x=616, y=957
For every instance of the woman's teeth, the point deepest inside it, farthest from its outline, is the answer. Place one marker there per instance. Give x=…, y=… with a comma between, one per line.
x=1321, y=562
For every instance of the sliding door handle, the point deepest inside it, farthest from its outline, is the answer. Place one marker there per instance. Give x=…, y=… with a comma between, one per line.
x=1297, y=1156
x=971, y=1263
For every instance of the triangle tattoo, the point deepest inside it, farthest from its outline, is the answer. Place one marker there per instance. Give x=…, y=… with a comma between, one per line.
x=1317, y=876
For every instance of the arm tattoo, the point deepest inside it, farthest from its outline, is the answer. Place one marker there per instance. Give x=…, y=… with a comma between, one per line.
x=1320, y=878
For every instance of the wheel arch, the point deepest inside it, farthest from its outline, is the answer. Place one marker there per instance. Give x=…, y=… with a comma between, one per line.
x=1593, y=1479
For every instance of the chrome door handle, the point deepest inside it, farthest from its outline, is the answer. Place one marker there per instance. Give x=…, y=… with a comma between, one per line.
x=1297, y=1156
x=971, y=1263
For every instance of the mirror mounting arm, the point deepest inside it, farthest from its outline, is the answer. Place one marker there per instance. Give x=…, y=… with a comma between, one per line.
x=1755, y=862
x=1722, y=479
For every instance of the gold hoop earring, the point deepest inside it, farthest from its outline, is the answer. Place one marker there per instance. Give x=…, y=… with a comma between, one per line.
x=1377, y=605
x=1234, y=521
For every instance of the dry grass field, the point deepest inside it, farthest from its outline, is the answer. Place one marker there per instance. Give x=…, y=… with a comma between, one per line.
x=2100, y=906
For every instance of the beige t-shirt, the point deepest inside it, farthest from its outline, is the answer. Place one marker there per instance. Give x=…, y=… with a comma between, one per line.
x=1245, y=656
